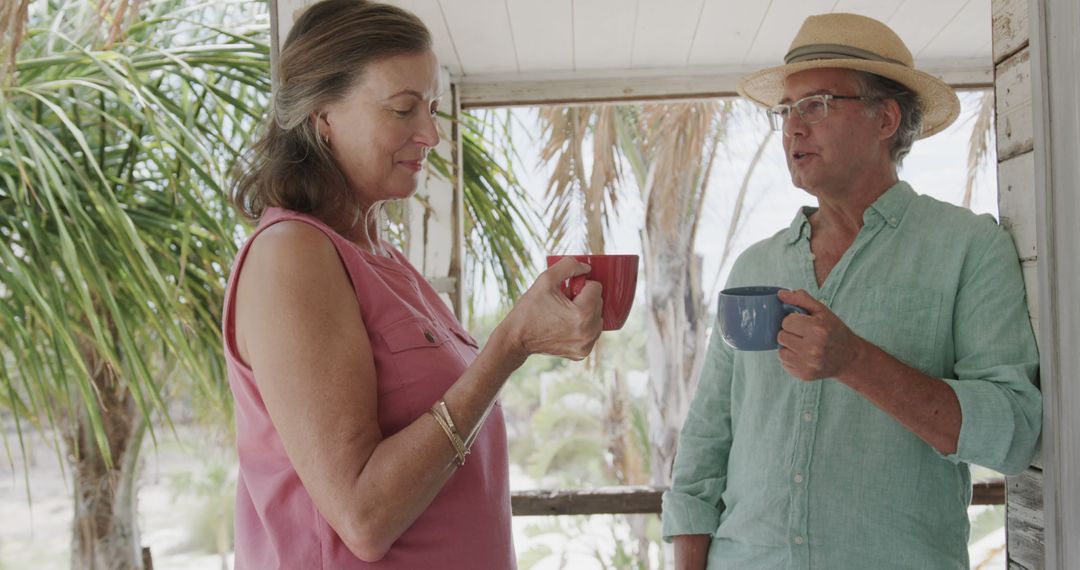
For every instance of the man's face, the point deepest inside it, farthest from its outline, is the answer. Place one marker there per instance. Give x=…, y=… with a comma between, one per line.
x=834, y=153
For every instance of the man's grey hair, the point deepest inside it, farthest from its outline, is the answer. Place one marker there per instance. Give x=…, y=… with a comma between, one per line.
x=911, y=112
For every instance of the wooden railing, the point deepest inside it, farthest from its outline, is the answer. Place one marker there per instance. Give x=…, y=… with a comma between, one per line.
x=646, y=500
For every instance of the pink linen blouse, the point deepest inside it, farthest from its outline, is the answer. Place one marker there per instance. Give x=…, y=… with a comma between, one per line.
x=420, y=350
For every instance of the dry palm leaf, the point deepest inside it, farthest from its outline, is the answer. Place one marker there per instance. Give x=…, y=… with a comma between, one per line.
x=979, y=143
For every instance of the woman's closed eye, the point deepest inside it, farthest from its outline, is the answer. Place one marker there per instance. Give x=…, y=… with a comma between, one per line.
x=403, y=113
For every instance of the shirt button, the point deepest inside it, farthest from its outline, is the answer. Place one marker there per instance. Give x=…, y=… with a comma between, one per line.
x=430, y=337
x=807, y=417
x=892, y=221
x=798, y=478
x=813, y=257
x=799, y=539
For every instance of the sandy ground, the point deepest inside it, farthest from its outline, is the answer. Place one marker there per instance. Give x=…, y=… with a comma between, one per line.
x=181, y=486
x=35, y=533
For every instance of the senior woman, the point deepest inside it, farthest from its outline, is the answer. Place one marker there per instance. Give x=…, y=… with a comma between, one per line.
x=368, y=426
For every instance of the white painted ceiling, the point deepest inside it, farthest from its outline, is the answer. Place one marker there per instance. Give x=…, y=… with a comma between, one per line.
x=526, y=40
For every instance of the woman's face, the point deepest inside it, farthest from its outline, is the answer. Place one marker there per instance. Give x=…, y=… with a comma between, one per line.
x=381, y=131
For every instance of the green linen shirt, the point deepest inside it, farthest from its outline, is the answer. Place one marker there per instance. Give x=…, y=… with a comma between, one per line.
x=791, y=474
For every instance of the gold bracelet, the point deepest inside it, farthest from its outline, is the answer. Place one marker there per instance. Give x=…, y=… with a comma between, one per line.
x=459, y=444
x=459, y=448
x=442, y=417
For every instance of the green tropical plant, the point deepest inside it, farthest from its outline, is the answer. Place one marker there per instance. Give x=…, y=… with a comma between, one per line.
x=117, y=129
x=500, y=219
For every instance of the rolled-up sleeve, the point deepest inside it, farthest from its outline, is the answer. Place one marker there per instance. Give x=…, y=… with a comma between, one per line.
x=693, y=505
x=996, y=362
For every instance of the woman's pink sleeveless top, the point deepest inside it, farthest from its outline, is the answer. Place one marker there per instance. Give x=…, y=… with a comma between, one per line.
x=420, y=350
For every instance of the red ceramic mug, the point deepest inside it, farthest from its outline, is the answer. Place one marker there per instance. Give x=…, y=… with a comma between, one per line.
x=617, y=275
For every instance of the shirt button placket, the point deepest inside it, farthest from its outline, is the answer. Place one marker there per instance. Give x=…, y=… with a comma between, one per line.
x=799, y=485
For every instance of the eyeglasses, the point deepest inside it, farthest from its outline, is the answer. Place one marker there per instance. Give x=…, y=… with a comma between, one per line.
x=812, y=109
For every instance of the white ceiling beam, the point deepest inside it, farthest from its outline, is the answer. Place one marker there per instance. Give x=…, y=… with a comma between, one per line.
x=652, y=85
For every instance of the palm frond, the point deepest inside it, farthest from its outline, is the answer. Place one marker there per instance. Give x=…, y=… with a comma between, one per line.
x=500, y=226
x=13, y=16
x=565, y=129
x=979, y=144
x=117, y=232
x=676, y=142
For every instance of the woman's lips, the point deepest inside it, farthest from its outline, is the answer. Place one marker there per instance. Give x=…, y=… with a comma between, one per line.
x=414, y=165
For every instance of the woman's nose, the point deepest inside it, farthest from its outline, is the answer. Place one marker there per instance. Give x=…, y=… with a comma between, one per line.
x=428, y=133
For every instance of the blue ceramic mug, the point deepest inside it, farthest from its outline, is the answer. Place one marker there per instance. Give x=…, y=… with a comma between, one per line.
x=750, y=317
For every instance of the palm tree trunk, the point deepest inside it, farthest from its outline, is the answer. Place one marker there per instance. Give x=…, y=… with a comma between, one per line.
x=675, y=329
x=105, y=534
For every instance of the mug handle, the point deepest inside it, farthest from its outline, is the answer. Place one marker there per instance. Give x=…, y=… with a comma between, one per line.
x=573, y=286
x=794, y=309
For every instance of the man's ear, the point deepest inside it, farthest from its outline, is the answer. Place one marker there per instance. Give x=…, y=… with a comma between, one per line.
x=890, y=118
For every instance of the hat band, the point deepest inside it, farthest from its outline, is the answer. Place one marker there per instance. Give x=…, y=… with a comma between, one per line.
x=834, y=51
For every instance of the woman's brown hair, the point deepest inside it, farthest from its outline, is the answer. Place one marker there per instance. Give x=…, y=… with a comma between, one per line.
x=325, y=55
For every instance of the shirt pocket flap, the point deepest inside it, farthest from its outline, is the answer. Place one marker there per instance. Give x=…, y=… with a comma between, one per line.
x=412, y=334
x=466, y=337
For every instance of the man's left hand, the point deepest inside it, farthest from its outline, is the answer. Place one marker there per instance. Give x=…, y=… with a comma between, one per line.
x=817, y=345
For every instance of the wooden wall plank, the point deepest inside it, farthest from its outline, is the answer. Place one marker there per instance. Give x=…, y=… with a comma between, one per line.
x=647, y=500
x=1025, y=522
x=1010, y=27
x=605, y=500
x=1054, y=62
x=1012, y=90
x=1024, y=514
x=1030, y=269
x=1016, y=203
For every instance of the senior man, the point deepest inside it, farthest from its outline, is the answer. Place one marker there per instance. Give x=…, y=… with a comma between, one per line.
x=849, y=447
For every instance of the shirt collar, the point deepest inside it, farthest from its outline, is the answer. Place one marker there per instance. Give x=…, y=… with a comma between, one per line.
x=890, y=206
x=800, y=226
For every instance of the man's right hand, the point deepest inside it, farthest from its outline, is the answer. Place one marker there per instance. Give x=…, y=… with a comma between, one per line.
x=691, y=551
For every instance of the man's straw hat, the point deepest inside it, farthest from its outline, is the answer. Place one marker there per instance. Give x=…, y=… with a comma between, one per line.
x=851, y=41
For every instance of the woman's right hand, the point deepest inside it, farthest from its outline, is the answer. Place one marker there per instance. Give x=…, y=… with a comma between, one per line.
x=545, y=321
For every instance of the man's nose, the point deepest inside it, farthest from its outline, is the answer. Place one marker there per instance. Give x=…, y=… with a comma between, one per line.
x=794, y=125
